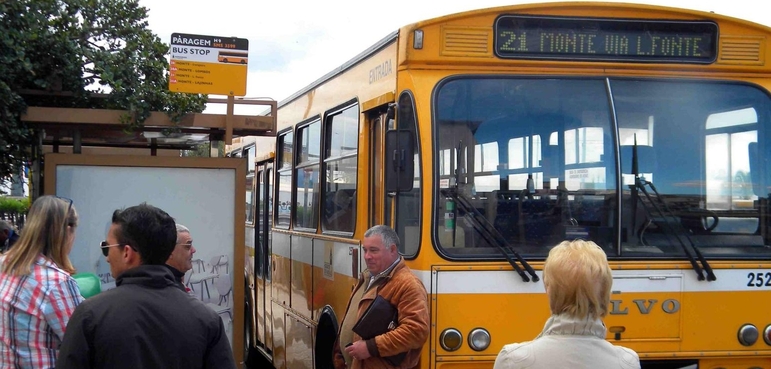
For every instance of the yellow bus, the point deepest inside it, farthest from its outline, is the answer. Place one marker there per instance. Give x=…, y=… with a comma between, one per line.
x=485, y=138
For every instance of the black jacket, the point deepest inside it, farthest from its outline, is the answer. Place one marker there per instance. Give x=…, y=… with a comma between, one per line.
x=178, y=277
x=146, y=322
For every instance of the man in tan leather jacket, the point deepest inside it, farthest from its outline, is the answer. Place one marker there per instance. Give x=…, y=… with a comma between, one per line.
x=389, y=277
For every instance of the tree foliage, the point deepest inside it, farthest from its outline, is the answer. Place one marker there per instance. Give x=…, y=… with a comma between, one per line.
x=14, y=205
x=75, y=48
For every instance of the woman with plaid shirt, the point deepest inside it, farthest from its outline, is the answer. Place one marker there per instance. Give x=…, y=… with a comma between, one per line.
x=37, y=292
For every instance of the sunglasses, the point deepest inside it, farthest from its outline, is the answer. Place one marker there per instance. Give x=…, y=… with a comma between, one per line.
x=106, y=247
x=69, y=207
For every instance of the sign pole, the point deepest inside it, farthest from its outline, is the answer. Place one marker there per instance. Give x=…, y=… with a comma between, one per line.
x=229, y=121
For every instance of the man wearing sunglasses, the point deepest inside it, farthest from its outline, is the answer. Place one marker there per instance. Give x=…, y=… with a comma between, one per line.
x=147, y=321
x=181, y=259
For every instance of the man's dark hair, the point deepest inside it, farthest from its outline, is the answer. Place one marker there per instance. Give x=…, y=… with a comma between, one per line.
x=149, y=230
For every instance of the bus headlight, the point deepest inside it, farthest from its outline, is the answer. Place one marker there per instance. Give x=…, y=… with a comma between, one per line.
x=479, y=339
x=451, y=339
x=748, y=335
x=767, y=334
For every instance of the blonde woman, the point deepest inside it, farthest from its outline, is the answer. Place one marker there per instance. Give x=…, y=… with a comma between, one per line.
x=577, y=278
x=37, y=292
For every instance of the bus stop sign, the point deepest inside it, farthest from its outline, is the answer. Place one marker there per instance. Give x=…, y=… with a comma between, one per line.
x=208, y=64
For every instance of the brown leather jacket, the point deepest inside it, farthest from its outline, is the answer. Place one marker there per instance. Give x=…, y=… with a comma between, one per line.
x=405, y=291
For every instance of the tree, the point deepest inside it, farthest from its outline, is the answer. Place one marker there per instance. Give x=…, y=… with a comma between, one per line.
x=75, y=48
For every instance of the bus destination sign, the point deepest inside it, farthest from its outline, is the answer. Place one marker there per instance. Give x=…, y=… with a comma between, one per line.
x=600, y=39
x=208, y=64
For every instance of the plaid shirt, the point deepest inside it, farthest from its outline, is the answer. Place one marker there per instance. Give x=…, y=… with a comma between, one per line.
x=34, y=310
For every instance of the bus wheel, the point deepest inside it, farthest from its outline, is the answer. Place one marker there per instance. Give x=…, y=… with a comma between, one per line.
x=225, y=60
x=243, y=61
x=326, y=336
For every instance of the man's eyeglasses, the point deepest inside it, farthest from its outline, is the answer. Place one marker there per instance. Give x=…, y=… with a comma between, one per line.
x=106, y=247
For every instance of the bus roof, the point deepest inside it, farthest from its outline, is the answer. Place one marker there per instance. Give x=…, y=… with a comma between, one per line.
x=568, y=8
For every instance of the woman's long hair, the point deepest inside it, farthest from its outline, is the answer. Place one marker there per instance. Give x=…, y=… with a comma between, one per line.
x=51, y=222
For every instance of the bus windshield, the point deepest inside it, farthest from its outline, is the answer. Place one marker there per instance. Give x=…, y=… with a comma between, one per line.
x=536, y=161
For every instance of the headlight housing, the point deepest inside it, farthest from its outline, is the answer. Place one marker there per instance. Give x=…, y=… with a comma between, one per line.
x=451, y=339
x=748, y=335
x=479, y=339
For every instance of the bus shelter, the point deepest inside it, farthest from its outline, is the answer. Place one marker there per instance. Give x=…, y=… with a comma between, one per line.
x=89, y=157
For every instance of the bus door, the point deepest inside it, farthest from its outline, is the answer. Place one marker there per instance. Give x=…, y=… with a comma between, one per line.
x=381, y=203
x=262, y=225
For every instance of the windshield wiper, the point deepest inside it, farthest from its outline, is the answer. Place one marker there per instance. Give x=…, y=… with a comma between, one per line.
x=482, y=225
x=491, y=234
x=667, y=217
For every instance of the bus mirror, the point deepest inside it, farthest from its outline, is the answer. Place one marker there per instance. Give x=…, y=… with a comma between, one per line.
x=399, y=160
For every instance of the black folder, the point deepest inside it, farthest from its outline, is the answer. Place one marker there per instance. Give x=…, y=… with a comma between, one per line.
x=380, y=317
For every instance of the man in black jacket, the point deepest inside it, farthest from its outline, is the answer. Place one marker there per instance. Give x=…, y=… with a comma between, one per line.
x=147, y=321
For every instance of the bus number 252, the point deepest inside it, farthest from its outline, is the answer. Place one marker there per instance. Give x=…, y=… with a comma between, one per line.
x=757, y=279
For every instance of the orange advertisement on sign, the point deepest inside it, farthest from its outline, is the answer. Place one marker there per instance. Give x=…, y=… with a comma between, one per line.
x=208, y=78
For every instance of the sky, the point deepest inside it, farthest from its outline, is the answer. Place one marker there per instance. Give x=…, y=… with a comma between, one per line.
x=293, y=43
